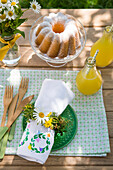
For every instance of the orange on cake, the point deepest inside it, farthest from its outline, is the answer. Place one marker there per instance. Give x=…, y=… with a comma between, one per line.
x=58, y=35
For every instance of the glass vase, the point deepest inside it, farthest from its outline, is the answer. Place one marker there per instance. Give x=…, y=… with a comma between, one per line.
x=13, y=55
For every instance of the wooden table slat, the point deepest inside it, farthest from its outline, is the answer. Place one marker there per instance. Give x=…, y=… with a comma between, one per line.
x=94, y=21
x=62, y=160
x=88, y=17
x=30, y=59
x=57, y=168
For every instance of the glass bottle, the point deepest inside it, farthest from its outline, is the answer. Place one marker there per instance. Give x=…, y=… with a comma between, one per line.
x=105, y=47
x=89, y=80
x=13, y=55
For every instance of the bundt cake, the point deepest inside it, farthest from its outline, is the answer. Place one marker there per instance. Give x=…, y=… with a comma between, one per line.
x=58, y=35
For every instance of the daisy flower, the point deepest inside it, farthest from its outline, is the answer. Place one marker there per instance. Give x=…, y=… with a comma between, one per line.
x=4, y=3
x=14, y=3
x=3, y=17
x=35, y=6
x=10, y=14
x=40, y=116
x=0, y=8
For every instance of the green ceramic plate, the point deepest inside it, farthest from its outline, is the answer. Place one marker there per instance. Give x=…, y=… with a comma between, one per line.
x=71, y=129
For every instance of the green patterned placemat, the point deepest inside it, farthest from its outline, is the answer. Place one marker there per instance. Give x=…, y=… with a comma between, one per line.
x=92, y=137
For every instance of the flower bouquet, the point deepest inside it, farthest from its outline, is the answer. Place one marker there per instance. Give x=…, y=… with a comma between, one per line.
x=48, y=120
x=10, y=20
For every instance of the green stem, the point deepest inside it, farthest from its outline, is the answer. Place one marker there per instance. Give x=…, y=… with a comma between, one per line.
x=25, y=10
x=2, y=28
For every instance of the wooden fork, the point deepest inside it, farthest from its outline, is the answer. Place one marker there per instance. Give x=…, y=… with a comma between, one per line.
x=21, y=92
x=22, y=89
x=8, y=96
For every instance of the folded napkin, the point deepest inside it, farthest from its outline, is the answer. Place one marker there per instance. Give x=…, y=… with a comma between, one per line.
x=54, y=96
x=36, y=143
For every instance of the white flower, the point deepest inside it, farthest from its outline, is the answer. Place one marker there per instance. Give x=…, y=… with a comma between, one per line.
x=10, y=14
x=0, y=8
x=35, y=6
x=3, y=17
x=40, y=116
x=14, y=3
x=4, y=3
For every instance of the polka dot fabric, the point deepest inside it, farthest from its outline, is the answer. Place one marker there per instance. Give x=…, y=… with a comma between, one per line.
x=92, y=138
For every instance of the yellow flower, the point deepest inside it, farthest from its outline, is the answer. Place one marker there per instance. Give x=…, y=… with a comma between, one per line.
x=41, y=114
x=49, y=114
x=47, y=124
x=10, y=13
x=3, y=17
x=3, y=1
x=34, y=6
x=50, y=120
x=29, y=147
x=7, y=24
x=14, y=3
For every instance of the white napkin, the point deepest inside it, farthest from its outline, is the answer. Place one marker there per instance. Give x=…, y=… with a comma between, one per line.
x=54, y=96
x=36, y=143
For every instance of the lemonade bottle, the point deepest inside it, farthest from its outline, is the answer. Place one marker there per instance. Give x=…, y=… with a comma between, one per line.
x=105, y=47
x=89, y=80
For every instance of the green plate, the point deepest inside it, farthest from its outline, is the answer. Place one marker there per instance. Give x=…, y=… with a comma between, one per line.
x=71, y=129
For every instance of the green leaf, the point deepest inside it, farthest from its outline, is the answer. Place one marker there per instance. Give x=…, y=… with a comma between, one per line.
x=21, y=32
x=37, y=151
x=20, y=21
x=48, y=142
x=40, y=135
x=43, y=136
x=43, y=150
x=26, y=138
x=47, y=148
x=35, y=136
x=33, y=145
x=32, y=140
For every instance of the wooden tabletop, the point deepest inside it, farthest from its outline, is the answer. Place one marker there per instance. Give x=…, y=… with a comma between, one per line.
x=94, y=21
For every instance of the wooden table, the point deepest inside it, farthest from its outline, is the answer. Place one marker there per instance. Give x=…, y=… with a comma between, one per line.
x=94, y=21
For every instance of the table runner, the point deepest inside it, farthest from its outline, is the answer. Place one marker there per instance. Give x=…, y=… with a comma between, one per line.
x=92, y=138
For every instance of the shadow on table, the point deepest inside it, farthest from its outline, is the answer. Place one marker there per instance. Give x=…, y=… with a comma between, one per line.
x=94, y=24
x=94, y=21
x=53, y=162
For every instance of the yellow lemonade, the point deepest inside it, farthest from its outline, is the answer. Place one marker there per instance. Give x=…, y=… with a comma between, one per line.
x=89, y=80
x=105, y=47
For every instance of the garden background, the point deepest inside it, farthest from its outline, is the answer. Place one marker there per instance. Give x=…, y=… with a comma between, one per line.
x=70, y=4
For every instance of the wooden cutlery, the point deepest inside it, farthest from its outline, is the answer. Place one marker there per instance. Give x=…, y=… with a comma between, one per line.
x=5, y=129
x=10, y=102
x=10, y=113
x=21, y=92
x=16, y=114
x=11, y=110
x=8, y=96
